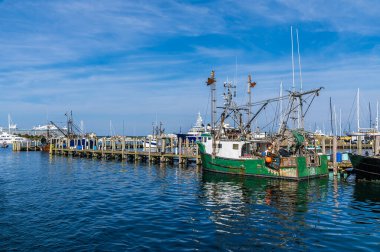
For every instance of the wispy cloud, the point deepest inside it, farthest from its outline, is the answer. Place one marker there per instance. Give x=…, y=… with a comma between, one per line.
x=133, y=60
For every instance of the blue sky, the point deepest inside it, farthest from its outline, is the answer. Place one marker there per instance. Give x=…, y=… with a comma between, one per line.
x=135, y=61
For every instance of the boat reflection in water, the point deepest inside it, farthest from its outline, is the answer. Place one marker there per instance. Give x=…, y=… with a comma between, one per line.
x=255, y=212
x=367, y=192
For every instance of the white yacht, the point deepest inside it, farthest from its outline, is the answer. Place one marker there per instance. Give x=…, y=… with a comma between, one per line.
x=8, y=138
x=195, y=132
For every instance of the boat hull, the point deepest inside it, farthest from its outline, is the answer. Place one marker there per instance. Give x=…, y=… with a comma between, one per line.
x=367, y=168
x=297, y=169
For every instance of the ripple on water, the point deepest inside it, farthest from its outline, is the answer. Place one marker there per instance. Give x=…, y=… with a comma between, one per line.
x=61, y=203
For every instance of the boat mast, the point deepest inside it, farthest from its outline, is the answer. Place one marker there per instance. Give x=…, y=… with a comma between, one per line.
x=370, y=115
x=357, y=110
x=331, y=118
x=280, y=124
x=293, y=84
x=9, y=123
x=250, y=86
x=377, y=116
x=300, y=112
x=299, y=60
x=293, y=96
x=335, y=122
x=340, y=122
x=212, y=83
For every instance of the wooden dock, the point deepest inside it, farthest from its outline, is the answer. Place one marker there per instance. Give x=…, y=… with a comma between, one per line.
x=128, y=149
x=27, y=146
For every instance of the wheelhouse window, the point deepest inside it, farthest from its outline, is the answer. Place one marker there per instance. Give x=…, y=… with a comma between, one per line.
x=246, y=149
x=235, y=146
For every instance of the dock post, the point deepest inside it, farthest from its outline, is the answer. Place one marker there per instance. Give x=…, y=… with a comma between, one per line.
x=51, y=147
x=103, y=146
x=377, y=145
x=113, y=143
x=163, y=144
x=335, y=147
x=122, y=147
x=163, y=150
x=135, y=148
x=324, y=144
x=187, y=146
x=330, y=145
x=350, y=145
x=197, y=155
x=359, y=145
x=171, y=145
x=150, y=148
x=180, y=150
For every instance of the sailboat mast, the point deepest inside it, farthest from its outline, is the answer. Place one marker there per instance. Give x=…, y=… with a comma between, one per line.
x=249, y=99
x=9, y=124
x=110, y=128
x=331, y=118
x=335, y=122
x=281, y=116
x=377, y=116
x=357, y=110
x=370, y=115
x=340, y=122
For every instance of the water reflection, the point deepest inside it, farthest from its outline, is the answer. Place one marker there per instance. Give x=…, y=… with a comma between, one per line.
x=266, y=212
x=284, y=195
x=367, y=191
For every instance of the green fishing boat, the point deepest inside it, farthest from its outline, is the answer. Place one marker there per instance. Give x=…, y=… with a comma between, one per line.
x=238, y=151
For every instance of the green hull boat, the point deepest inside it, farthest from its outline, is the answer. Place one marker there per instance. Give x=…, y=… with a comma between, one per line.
x=286, y=154
x=296, y=168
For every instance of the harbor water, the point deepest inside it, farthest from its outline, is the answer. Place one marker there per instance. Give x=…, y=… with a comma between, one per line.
x=72, y=204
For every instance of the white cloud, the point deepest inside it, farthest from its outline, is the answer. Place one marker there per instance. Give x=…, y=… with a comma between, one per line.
x=100, y=58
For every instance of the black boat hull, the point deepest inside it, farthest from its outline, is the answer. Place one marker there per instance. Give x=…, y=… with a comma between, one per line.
x=367, y=168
